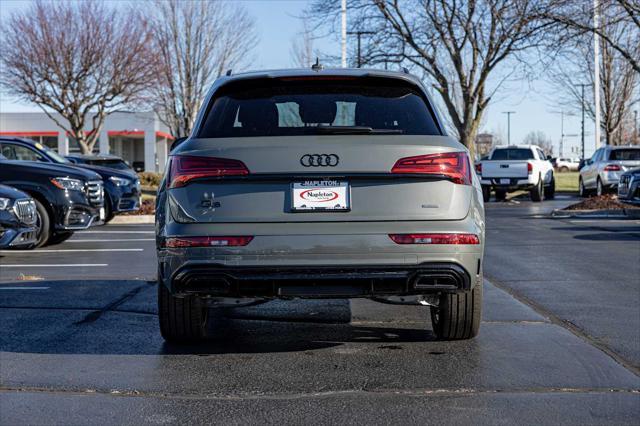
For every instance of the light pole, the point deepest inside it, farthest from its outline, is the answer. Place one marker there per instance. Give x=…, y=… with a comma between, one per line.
x=343, y=32
x=635, y=128
x=508, y=125
x=359, y=34
x=596, y=74
x=582, y=86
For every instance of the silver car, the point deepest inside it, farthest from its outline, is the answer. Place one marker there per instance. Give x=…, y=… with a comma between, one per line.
x=319, y=184
x=602, y=171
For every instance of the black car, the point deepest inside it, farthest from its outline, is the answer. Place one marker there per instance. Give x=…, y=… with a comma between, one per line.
x=66, y=198
x=108, y=161
x=17, y=219
x=121, y=184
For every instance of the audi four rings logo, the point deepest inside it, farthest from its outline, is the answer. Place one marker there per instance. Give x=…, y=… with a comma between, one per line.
x=319, y=160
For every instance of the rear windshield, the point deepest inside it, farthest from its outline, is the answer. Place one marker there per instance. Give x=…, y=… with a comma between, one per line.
x=512, y=154
x=625, y=154
x=292, y=108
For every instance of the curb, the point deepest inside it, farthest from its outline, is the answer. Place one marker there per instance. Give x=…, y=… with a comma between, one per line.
x=133, y=219
x=597, y=214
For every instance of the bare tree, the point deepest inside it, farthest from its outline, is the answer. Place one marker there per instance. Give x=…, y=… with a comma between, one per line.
x=538, y=137
x=302, y=51
x=81, y=60
x=460, y=46
x=573, y=65
x=196, y=42
x=575, y=19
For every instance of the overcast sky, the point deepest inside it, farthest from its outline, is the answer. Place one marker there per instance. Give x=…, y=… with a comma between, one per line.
x=278, y=24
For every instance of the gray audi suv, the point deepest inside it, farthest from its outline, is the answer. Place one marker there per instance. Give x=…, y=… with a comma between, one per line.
x=319, y=184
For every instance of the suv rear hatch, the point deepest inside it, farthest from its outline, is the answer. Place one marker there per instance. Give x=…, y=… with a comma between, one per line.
x=260, y=144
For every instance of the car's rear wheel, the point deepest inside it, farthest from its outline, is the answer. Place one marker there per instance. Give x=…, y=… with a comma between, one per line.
x=182, y=319
x=43, y=224
x=564, y=169
x=537, y=192
x=486, y=193
x=458, y=315
x=501, y=195
x=600, y=188
x=550, y=190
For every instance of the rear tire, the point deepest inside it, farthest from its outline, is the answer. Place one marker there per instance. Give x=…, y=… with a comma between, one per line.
x=182, y=319
x=581, y=189
x=458, y=315
x=537, y=192
x=43, y=223
x=501, y=195
x=564, y=169
x=550, y=191
x=600, y=190
x=486, y=193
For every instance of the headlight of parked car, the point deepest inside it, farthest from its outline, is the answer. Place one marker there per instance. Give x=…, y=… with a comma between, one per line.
x=4, y=203
x=68, y=183
x=119, y=181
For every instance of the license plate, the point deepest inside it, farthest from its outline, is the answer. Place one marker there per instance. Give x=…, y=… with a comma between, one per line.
x=320, y=195
x=102, y=214
x=505, y=181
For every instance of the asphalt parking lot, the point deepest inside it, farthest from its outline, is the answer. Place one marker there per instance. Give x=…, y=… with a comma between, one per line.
x=559, y=343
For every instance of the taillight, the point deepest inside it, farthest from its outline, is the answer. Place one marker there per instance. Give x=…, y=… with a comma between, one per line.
x=612, y=168
x=435, y=238
x=529, y=168
x=479, y=168
x=185, y=168
x=452, y=165
x=177, y=242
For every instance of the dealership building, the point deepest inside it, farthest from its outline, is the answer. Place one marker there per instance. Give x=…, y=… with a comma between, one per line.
x=139, y=138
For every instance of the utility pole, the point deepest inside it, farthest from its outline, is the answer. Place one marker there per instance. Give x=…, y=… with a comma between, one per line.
x=359, y=34
x=343, y=32
x=582, y=86
x=635, y=128
x=508, y=125
x=596, y=73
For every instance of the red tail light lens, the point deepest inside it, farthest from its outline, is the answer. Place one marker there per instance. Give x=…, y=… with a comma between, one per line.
x=479, y=168
x=612, y=168
x=529, y=168
x=435, y=238
x=452, y=165
x=186, y=168
x=178, y=242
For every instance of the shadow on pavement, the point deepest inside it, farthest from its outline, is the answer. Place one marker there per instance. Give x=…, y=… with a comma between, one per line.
x=119, y=317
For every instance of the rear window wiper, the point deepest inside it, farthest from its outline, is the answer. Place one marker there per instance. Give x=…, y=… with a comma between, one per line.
x=356, y=130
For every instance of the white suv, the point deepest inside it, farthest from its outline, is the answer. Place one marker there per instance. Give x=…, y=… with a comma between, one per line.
x=602, y=171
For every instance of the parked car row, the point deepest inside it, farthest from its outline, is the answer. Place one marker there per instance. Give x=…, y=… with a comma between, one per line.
x=66, y=196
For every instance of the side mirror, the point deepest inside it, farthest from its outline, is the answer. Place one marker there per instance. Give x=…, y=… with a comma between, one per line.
x=549, y=157
x=176, y=143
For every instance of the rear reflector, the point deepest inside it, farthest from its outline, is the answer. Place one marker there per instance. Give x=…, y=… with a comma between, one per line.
x=435, y=238
x=452, y=165
x=186, y=168
x=177, y=242
x=612, y=168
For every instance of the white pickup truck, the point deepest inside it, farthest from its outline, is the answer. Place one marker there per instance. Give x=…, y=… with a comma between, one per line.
x=517, y=167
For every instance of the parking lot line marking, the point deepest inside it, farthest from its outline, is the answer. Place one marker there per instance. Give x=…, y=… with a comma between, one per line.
x=55, y=265
x=67, y=250
x=117, y=232
x=24, y=288
x=115, y=240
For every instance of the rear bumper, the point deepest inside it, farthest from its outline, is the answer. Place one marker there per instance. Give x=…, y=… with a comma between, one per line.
x=319, y=282
x=509, y=183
